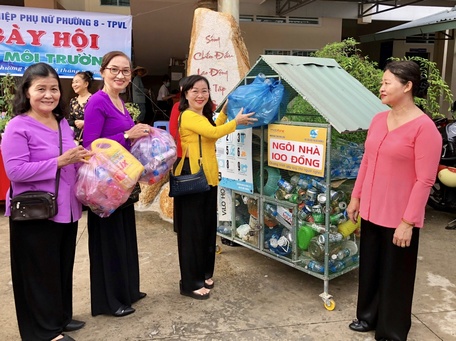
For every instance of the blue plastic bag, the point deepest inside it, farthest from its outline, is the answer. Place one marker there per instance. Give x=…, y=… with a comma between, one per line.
x=262, y=96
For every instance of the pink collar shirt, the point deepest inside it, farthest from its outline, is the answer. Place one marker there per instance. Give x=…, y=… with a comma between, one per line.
x=398, y=170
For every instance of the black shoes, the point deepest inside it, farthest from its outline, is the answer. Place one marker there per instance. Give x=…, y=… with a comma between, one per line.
x=360, y=326
x=142, y=295
x=124, y=311
x=67, y=338
x=74, y=325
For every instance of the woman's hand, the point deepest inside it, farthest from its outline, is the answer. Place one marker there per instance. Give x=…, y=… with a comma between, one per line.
x=244, y=119
x=74, y=155
x=139, y=130
x=353, y=210
x=79, y=124
x=403, y=235
x=225, y=106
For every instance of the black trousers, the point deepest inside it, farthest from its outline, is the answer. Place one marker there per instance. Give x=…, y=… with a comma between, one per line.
x=114, y=264
x=42, y=259
x=386, y=281
x=196, y=222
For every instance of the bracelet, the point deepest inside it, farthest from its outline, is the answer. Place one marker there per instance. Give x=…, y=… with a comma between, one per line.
x=407, y=222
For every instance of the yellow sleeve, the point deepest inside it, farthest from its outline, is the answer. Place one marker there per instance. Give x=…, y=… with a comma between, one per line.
x=200, y=125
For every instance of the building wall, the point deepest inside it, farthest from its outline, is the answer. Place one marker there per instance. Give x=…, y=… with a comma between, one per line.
x=259, y=37
x=92, y=6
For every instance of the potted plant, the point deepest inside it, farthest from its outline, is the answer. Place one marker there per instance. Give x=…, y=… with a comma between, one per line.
x=7, y=88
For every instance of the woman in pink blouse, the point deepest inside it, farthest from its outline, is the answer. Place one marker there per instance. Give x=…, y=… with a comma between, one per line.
x=402, y=153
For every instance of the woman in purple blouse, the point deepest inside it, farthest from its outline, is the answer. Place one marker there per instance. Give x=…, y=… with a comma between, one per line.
x=113, y=249
x=42, y=251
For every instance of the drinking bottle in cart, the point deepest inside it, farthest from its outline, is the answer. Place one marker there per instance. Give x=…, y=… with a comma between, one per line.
x=314, y=266
x=285, y=185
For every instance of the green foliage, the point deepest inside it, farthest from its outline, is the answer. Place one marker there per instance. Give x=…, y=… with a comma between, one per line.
x=133, y=109
x=7, y=88
x=302, y=111
x=438, y=88
x=349, y=57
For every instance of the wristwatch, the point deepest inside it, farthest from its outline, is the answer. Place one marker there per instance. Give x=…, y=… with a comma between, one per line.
x=126, y=136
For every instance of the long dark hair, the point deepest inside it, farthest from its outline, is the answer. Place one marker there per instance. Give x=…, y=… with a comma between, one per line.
x=409, y=71
x=21, y=103
x=187, y=86
x=87, y=76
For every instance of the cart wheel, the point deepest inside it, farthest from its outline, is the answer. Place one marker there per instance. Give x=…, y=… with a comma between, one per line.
x=218, y=249
x=330, y=305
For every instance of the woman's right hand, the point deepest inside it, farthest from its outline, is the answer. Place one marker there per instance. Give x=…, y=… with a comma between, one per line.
x=138, y=130
x=79, y=124
x=353, y=210
x=245, y=119
x=74, y=155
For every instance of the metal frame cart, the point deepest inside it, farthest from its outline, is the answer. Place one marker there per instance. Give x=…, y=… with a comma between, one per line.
x=298, y=218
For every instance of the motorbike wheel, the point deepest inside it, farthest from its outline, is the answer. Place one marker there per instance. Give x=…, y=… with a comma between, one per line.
x=437, y=198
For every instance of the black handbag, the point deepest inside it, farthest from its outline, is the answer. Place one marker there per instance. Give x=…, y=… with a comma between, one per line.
x=188, y=183
x=36, y=205
x=134, y=196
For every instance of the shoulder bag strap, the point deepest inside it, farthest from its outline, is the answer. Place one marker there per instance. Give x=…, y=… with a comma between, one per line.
x=57, y=179
x=181, y=162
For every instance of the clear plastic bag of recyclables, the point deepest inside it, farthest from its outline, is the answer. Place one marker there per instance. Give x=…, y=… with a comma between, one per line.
x=262, y=96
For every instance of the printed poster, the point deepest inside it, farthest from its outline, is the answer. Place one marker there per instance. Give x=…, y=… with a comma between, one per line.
x=297, y=148
x=70, y=41
x=234, y=157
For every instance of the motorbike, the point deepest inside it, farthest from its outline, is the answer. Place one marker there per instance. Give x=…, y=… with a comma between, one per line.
x=443, y=193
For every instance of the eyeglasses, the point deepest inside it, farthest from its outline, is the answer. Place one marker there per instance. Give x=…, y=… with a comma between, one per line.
x=115, y=71
x=196, y=92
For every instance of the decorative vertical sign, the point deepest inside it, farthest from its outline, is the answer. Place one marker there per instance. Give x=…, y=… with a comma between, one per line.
x=217, y=52
x=297, y=148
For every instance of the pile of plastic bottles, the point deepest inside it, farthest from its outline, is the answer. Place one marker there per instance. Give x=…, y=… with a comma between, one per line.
x=345, y=159
x=106, y=181
x=157, y=153
x=309, y=193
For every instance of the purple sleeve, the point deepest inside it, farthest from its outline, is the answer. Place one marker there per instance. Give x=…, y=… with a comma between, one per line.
x=103, y=120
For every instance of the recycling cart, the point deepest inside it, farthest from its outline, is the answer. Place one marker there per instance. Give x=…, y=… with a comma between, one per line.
x=293, y=206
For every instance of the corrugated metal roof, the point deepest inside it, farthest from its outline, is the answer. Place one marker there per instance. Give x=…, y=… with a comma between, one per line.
x=441, y=21
x=340, y=98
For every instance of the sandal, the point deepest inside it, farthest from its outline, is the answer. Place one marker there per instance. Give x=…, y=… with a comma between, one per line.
x=207, y=285
x=194, y=294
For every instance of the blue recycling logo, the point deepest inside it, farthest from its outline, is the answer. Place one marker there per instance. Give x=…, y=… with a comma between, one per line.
x=314, y=133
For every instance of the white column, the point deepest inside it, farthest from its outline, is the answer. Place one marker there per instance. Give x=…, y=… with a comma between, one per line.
x=230, y=7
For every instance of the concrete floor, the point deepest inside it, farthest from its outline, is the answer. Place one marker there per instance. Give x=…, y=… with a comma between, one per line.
x=255, y=297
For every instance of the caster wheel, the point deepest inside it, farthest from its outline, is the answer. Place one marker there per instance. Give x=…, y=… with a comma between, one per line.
x=218, y=249
x=330, y=305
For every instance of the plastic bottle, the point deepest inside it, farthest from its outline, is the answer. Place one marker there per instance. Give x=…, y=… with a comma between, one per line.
x=319, y=184
x=294, y=198
x=348, y=248
x=225, y=228
x=332, y=237
x=252, y=207
x=270, y=214
x=314, y=266
x=295, y=179
x=285, y=185
x=161, y=169
x=338, y=265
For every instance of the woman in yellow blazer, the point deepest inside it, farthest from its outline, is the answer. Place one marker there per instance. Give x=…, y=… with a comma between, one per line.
x=195, y=215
